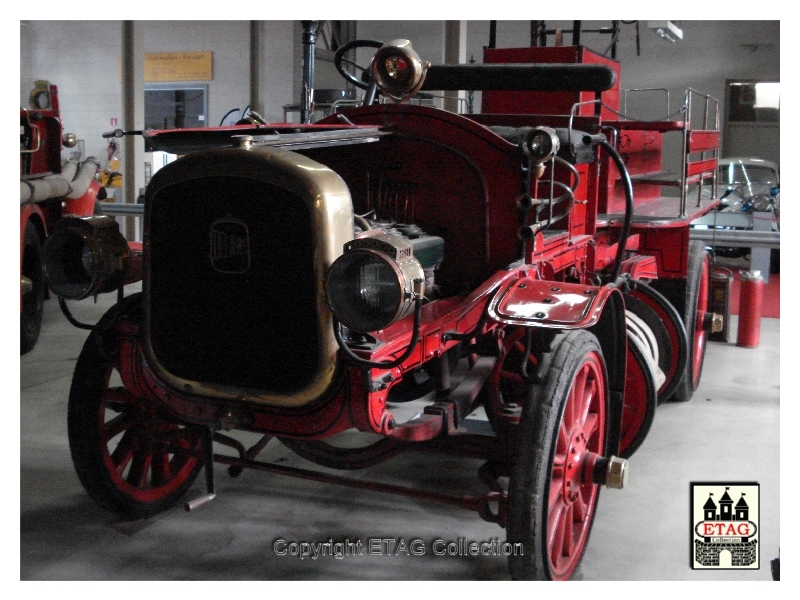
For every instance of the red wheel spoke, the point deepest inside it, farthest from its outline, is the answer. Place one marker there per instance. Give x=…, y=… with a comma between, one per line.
x=562, y=443
x=569, y=531
x=580, y=509
x=140, y=467
x=590, y=425
x=555, y=530
x=589, y=391
x=123, y=452
x=116, y=426
x=556, y=488
x=116, y=397
x=582, y=393
x=161, y=468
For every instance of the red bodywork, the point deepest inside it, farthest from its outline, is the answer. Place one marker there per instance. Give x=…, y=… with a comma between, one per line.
x=463, y=178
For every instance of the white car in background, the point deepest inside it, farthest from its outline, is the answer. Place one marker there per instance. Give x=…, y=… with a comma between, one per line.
x=750, y=184
x=749, y=188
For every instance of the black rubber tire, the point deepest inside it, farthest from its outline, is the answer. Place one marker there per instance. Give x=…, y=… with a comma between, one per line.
x=30, y=318
x=537, y=439
x=89, y=400
x=694, y=275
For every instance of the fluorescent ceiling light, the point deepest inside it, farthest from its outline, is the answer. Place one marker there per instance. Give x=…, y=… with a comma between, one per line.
x=666, y=29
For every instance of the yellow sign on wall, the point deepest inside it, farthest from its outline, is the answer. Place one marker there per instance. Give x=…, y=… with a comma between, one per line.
x=177, y=66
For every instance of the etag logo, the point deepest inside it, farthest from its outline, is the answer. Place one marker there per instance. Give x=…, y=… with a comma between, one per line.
x=725, y=525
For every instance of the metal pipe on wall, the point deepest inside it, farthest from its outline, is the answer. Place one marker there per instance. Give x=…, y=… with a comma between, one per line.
x=133, y=113
x=307, y=91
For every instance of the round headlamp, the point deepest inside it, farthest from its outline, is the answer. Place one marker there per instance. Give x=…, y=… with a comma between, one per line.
x=397, y=70
x=85, y=256
x=374, y=283
x=542, y=144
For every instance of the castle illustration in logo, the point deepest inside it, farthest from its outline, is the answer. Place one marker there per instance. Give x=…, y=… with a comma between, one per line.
x=726, y=527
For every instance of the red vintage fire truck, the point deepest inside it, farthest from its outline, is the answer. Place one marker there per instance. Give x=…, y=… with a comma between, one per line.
x=302, y=280
x=49, y=190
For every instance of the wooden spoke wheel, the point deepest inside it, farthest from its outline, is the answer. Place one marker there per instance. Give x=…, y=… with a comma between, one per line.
x=130, y=457
x=552, y=498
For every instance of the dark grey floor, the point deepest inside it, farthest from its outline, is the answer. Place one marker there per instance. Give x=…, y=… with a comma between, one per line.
x=728, y=432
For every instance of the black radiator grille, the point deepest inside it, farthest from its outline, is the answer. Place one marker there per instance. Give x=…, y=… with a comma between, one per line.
x=232, y=285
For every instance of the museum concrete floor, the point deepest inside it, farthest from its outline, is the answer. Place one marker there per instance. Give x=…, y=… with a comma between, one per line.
x=729, y=432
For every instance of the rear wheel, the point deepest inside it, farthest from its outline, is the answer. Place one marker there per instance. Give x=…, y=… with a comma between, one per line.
x=690, y=298
x=695, y=305
x=130, y=457
x=30, y=324
x=552, y=498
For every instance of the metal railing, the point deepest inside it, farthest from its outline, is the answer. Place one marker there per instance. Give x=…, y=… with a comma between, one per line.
x=126, y=211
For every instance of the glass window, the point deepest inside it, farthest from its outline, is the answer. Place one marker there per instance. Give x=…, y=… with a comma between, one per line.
x=175, y=106
x=754, y=101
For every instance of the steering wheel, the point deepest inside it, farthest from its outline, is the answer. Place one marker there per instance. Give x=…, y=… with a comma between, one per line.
x=339, y=59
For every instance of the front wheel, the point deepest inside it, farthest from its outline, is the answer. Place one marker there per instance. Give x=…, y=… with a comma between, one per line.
x=130, y=457
x=552, y=498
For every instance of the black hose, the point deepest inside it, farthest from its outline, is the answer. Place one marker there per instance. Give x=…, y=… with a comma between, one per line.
x=626, y=222
x=73, y=321
x=388, y=364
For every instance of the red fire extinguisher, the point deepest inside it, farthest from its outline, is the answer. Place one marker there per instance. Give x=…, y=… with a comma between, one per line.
x=751, y=298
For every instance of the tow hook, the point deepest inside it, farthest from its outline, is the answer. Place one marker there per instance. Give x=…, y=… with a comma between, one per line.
x=611, y=472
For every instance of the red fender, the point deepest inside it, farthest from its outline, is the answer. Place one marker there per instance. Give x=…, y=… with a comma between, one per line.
x=553, y=305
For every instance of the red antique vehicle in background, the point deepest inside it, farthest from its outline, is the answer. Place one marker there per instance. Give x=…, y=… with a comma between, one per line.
x=517, y=276
x=49, y=190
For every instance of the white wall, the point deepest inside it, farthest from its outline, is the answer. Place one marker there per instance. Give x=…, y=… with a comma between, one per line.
x=278, y=66
x=230, y=43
